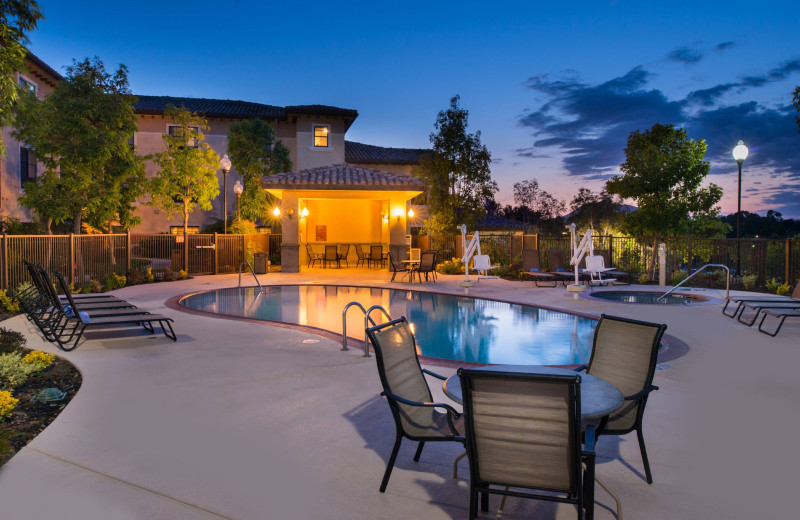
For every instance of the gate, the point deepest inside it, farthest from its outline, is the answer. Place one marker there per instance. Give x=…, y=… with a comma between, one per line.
x=202, y=254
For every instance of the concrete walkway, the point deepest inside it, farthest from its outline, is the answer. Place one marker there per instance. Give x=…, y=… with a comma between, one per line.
x=249, y=421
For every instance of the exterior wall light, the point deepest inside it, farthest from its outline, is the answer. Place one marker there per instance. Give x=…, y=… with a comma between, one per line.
x=384, y=216
x=290, y=212
x=276, y=211
x=410, y=213
x=304, y=213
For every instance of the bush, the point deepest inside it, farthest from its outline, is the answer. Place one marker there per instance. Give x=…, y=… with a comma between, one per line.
x=92, y=286
x=114, y=281
x=134, y=277
x=10, y=340
x=169, y=275
x=182, y=275
x=643, y=279
x=678, y=277
x=274, y=259
x=38, y=359
x=749, y=281
x=772, y=286
x=149, y=277
x=783, y=290
x=450, y=267
x=13, y=372
x=7, y=303
x=7, y=404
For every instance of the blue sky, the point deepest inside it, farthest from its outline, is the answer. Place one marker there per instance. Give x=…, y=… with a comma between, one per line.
x=554, y=87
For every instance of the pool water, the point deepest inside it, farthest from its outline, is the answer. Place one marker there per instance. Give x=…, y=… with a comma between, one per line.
x=648, y=297
x=445, y=326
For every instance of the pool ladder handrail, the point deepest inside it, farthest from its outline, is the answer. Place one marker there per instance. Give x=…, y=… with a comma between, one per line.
x=727, y=280
x=261, y=289
x=367, y=321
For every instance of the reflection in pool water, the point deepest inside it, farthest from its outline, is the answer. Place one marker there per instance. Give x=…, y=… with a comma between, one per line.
x=446, y=326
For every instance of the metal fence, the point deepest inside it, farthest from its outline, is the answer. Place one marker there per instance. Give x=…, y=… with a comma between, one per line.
x=81, y=258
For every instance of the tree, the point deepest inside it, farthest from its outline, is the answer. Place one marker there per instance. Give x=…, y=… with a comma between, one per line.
x=796, y=103
x=255, y=152
x=17, y=18
x=600, y=211
x=457, y=176
x=82, y=133
x=663, y=172
x=187, y=174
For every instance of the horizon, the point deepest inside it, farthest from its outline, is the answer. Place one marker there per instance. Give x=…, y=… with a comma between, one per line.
x=560, y=114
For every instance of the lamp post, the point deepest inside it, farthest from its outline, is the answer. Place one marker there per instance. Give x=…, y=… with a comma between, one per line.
x=238, y=188
x=739, y=155
x=225, y=165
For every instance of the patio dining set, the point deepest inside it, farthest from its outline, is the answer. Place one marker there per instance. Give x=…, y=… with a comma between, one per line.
x=528, y=431
x=418, y=264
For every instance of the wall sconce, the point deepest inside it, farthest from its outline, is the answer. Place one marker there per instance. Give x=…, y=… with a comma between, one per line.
x=410, y=213
x=398, y=213
x=290, y=212
x=304, y=213
x=384, y=216
x=276, y=211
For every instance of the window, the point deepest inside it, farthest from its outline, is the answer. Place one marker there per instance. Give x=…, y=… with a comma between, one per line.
x=27, y=165
x=27, y=86
x=177, y=131
x=178, y=230
x=321, y=136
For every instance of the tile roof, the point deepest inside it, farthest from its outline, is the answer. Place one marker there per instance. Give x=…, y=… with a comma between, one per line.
x=342, y=177
x=360, y=153
x=227, y=108
x=45, y=67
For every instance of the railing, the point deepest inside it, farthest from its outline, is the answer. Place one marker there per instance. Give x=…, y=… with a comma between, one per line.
x=260, y=289
x=727, y=285
x=367, y=321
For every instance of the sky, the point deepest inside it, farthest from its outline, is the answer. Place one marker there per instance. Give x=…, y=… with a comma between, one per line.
x=555, y=88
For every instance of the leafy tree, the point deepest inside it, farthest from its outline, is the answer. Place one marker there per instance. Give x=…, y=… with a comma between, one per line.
x=796, y=103
x=17, y=18
x=187, y=174
x=663, y=172
x=599, y=211
x=255, y=152
x=457, y=176
x=81, y=132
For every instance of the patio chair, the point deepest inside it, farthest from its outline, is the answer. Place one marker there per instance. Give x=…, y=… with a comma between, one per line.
x=331, y=255
x=435, y=261
x=523, y=436
x=427, y=265
x=67, y=339
x=759, y=307
x=363, y=258
x=344, y=250
x=416, y=416
x=414, y=254
x=313, y=257
x=622, y=278
x=781, y=315
x=531, y=266
x=744, y=300
x=376, y=255
x=557, y=265
x=624, y=354
x=396, y=267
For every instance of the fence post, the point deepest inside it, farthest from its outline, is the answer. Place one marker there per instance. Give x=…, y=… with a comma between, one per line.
x=4, y=281
x=788, y=261
x=72, y=258
x=216, y=254
x=128, y=252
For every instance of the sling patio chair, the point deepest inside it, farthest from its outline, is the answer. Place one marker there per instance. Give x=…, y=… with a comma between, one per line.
x=742, y=301
x=344, y=250
x=376, y=255
x=557, y=265
x=397, y=267
x=427, y=265
x=763, y=306
x=34, y=270
x=415, y=414
x=67, y=338
x=621, y=277
x=313, y=257
x=523, y=435
x=531, y=266
x=363, y=258
x=331, y=255
x=435, y=261
x=781, y=315
x=624, y=354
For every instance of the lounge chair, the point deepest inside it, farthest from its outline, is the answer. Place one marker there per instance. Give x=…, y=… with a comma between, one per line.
x=427, y=265
x=396, y=267
x=781, y=315
x=67, y=338
x=558, y=266
x=624, y=354
x=523, y=436
x=416, y=416
x=741, y=301
x=313, y=257
x=531, y=266
x=613, y=272
x=764, y=306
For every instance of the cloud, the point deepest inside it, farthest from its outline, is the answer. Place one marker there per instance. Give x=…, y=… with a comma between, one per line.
x=686, y=55
x=711, y=96
x=725, y=46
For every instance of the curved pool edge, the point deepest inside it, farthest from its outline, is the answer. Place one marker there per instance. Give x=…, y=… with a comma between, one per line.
x=700, y=300
x=672, y=347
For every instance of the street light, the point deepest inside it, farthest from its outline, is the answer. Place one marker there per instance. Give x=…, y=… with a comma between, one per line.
x=739, y=155
x=238, y=188
x=225, y=165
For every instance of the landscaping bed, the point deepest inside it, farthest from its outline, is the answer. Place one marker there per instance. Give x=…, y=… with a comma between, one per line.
x=28, y=417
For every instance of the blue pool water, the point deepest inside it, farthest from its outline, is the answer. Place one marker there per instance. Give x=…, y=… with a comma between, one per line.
x=446, y=326
x=648, y=297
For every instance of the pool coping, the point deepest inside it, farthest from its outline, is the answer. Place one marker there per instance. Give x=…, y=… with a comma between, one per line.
x=674, y=348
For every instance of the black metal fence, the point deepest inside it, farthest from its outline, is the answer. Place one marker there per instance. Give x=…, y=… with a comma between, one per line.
x=81, y=258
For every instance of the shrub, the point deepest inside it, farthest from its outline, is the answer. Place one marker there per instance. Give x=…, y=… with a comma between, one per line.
x=643, y=279
x=455, y=266
x=7, y=404
x=182, y=275
x=13, y=372
x=7, y=303
x=113, y=281
x=169, y=275
x=134, y=277
x=678, y=277
x=783, y=290
x=92, y=286
x=149, y=277
x=40, y=360
x=772, y=286
x=10, y=340
x=749, y=281
x=275, y=259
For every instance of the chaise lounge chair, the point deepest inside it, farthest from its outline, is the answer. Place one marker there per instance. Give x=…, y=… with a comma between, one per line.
x=531, y=266
x=745, y=300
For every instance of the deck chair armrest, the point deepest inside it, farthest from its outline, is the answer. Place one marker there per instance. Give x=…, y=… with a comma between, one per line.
x=450, y=409
x=639, y=395
x=434, y=374
x=581, y=368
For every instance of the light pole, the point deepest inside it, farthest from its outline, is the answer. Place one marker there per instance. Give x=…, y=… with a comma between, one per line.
x=225, y=164
x=238, y=188
x=739, y=155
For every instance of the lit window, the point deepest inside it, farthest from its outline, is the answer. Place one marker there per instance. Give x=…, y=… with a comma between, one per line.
x=27, y=165
x=321, y=136
x=177, y=131
x=27, y=86
x=178, y=230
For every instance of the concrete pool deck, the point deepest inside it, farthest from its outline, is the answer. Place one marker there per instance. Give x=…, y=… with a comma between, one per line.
x=245, y=420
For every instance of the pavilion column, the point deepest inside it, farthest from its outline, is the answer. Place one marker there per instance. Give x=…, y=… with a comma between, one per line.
x=397, y=228
x=290, y=242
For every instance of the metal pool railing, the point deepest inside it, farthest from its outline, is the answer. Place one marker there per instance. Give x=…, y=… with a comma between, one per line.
x=367, y=321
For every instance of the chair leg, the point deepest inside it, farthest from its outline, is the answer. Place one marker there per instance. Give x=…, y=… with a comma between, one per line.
x=473, y=503
x=644, y=455
x=419, y=451
x=484, y=502
x=390, y=465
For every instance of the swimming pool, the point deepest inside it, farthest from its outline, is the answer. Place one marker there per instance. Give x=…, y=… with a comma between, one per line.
x=450, y=327
x=648, y=297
